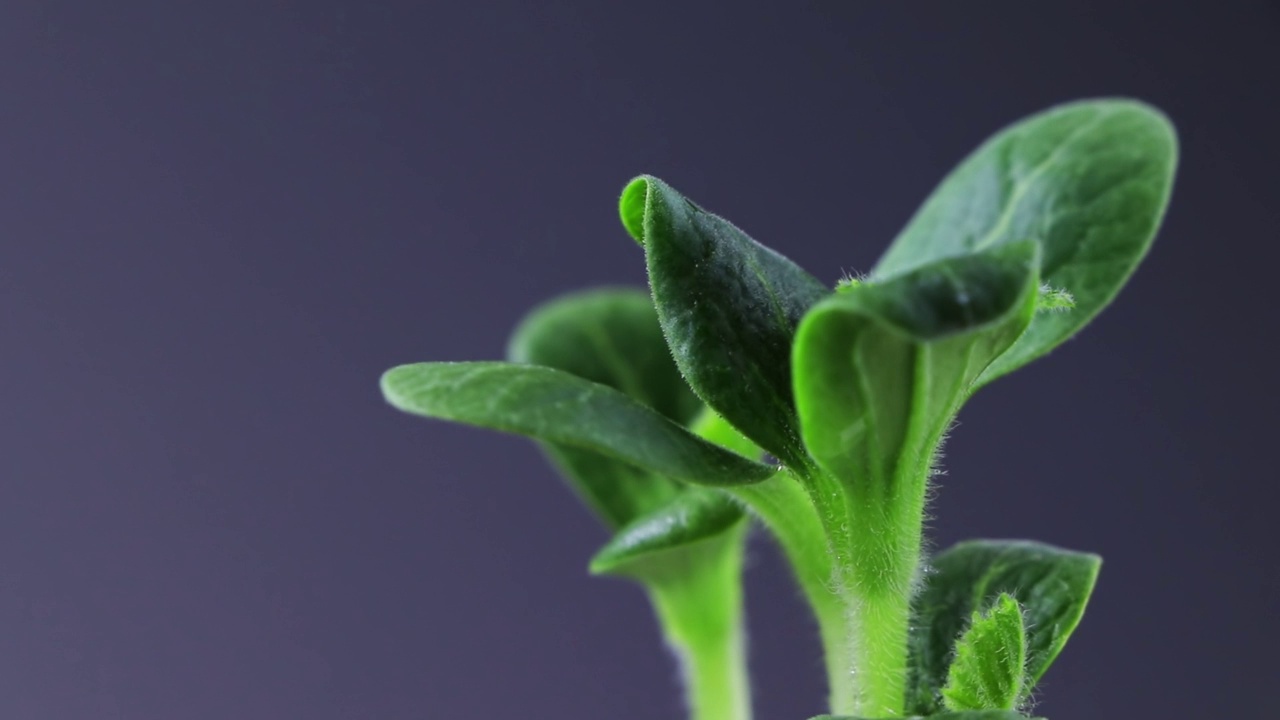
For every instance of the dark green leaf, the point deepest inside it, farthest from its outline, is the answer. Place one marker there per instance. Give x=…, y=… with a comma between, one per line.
x=1089, y=180
x=987, y=671
x=617, y=491
x=557, y=407
x=656, y=544
x=729, y=308
x=964, y=715
x=610, y=336
x=881, y=370
x=1052, y=585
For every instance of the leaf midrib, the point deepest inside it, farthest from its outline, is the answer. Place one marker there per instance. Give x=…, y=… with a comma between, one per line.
x=1023, y=185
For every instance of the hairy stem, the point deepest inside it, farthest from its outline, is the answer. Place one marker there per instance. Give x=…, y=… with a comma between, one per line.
x=876, y=578
x=879, y=617
x=782, y=504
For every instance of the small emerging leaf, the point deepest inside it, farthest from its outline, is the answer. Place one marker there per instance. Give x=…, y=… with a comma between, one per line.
x=557, y=407
x=986, y=673
x=1051, y=584
x=729, y=307
x=1053, y=299
x=1089, y=180
x=610, y=336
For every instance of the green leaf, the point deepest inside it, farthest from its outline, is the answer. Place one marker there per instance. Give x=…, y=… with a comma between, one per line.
x=964, y=715
x=554, y=406
x=728, y=307
x=1089, y=180
x=987, y=672
x=1051, y=584
x=653, y=546
x=617, y=491
x=610, y=336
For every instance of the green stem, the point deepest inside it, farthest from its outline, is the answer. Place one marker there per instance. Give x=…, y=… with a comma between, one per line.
x=877, y=575
x=701, y=614
x=784, y=507
x=789, y=511
x=878, y=651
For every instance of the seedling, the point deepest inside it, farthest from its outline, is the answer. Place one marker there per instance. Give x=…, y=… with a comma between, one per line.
x=741, y=387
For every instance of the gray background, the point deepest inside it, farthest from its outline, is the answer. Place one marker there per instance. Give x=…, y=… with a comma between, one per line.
x=220, y=221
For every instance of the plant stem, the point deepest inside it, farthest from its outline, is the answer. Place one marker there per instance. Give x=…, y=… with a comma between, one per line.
x=784, y=507
x=788, y=510
x=876, y=575
x=701, y=614
x=878, y=643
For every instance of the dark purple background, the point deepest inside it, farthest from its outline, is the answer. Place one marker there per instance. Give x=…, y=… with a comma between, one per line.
x=220, y=221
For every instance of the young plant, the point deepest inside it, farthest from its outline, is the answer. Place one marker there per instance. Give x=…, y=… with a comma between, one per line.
x=741, y=383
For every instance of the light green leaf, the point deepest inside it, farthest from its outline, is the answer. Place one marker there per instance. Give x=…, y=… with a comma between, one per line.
x=987, y=672
x=1089, y=180
x=1051, y=584
x=554, y=406
x=728, y=307
x=610, y=336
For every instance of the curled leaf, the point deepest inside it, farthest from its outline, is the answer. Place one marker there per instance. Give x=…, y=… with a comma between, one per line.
x=728, y=306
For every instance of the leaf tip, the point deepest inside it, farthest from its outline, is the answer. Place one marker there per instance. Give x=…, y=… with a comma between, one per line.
x=632, y=206
x=388, y=384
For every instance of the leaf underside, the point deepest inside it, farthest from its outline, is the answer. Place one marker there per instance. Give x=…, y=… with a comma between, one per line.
x=609, y=336
x=646, y=548
x=1089, y=180
x=729, y=307
x=1051, y=584
x=554, y=406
